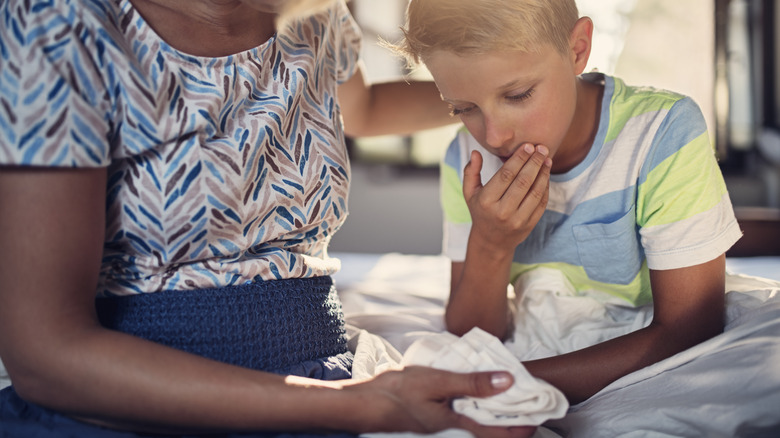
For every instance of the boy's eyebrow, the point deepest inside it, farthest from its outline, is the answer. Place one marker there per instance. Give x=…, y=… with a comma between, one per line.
x=512, y=84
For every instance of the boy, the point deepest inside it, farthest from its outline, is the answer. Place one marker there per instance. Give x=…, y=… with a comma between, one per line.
x=615, y=186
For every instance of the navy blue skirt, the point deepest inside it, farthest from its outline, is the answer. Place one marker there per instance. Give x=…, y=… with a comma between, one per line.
x=290, y=327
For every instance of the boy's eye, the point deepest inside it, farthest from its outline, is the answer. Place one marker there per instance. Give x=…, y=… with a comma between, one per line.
x=522, y=96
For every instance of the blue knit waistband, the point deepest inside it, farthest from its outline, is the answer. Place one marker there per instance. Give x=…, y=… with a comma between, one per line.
x=268, y=326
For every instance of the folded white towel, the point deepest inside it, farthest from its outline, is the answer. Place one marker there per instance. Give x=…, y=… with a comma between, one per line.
x=529, y=402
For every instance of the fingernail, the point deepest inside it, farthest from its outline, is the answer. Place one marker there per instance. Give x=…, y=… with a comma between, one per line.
x=548, y=162
x=528, y=148
x=542, y=150
x=500, y=380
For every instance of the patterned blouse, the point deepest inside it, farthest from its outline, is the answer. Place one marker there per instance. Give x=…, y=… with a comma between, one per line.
x=221, y=171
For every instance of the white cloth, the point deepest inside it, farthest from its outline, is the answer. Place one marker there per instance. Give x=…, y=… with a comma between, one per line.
x=553, y=319
x=529, y=402
x=4, y=379
x=728, y=386
x=398, y=308
x=373, y=354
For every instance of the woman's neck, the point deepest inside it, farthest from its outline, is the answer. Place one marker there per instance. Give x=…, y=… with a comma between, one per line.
x=207, y=28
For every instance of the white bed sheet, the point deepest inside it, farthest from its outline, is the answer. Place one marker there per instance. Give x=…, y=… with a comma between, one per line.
x=766, y=267
x=377, y=289
x=728, y=386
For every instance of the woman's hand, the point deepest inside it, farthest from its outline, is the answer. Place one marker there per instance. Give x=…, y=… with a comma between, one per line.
x=506, y=209
x=418, y=399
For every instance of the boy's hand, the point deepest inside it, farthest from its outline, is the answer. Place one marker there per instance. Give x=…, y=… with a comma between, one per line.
x=505, y=210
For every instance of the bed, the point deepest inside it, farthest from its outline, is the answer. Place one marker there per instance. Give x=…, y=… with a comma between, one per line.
x=726, y=387
x=399, y=299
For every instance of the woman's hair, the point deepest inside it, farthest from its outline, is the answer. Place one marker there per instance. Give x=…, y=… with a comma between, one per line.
x=481, y=26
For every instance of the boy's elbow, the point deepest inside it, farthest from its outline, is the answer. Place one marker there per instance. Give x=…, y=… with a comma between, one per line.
x=459, y=327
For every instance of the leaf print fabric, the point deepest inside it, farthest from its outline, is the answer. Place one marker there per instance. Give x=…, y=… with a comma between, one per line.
x=222, y=171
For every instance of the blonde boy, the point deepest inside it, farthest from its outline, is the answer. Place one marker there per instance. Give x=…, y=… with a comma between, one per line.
x=617, y=187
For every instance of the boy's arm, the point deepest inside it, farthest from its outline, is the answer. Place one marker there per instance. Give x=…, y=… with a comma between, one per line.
x=503, y=213
x=681, y=180
x=688, y=309
x=398, y=107
x=688, y=302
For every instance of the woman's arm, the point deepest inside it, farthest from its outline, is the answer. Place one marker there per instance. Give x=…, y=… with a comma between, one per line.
x=503, y=213
x=52, y=226
x=398, y=107
x=688, y=309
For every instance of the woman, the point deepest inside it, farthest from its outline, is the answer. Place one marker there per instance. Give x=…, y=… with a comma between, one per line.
x=184, y=161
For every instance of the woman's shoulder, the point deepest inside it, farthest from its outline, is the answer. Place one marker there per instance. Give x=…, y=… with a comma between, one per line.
x=54, y=63
x=67, y=34
x=29, y=23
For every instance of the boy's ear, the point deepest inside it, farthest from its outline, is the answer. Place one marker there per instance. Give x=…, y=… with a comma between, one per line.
x=580, y=43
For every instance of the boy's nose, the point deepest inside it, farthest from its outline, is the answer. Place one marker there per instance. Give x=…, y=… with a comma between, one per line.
x=498, y=134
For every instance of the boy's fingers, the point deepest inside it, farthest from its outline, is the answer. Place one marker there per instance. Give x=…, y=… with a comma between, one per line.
x=539, y=194
x=514, y=164
x=526, y=178
x=472, y=179
x=502, y=180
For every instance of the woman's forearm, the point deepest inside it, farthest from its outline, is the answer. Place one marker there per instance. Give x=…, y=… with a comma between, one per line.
x=393, y=107
x=116, y=379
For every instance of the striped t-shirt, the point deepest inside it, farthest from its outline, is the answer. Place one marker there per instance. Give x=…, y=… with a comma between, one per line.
x=648, y=195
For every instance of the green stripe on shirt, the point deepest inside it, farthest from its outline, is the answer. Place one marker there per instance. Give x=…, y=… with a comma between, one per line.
x=636, y=293
x=640, y=100
x=668, y=195
x=453, y=203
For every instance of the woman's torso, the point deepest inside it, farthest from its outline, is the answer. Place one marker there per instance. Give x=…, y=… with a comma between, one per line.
x=221, y=170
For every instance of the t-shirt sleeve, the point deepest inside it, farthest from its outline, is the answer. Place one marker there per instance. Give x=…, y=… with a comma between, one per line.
x=683, y=208
x=52, y=100
x=457, y=218
x=350, y=38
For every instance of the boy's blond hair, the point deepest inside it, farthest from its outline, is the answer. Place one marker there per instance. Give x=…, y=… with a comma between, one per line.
x=481, y=26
